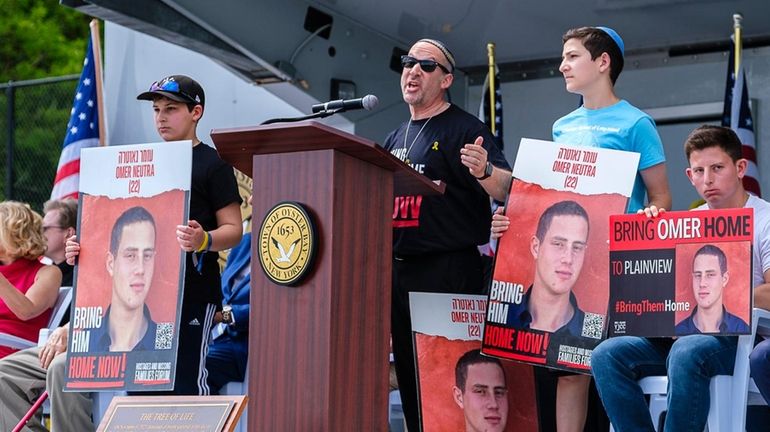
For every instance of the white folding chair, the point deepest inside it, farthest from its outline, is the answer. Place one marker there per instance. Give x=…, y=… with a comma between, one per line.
x=729, y=393
x=62, y=305
x=754, y=397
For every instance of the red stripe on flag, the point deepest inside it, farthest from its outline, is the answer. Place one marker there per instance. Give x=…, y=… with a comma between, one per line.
x=749, y=153
x=752, y=185
x=68, y=169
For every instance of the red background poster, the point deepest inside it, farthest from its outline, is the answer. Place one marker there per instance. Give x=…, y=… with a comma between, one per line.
x=436, y=360
x=94, y=287
x=738, y=260
x=514, y=260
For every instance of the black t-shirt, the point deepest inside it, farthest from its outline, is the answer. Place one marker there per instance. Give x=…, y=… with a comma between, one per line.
x=461, y=217
x=213, y=187
x=66, y=273
x=66, y=280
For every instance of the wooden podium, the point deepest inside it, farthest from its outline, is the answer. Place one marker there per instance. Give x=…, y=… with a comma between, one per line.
x=318, y=352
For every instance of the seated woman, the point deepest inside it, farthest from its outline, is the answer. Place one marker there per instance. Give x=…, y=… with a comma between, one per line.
x=28, y=288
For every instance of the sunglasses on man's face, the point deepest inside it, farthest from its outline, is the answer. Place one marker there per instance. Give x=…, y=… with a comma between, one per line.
x=429, y=66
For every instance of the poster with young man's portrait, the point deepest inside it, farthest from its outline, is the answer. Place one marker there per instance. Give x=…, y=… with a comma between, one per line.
x=129, y=273
x=550, y=286
x=460, y=388
x=685, y=272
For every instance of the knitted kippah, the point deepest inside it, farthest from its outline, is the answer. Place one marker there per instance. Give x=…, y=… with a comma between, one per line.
x=440, y=45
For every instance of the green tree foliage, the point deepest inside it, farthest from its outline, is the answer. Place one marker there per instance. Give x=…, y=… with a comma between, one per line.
x=38, y=39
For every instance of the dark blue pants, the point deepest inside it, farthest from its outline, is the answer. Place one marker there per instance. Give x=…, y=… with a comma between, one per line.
x=760, y=368
x=226, y=361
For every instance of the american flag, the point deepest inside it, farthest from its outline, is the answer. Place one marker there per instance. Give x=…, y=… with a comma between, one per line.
x=737, y=116
x=82, y=131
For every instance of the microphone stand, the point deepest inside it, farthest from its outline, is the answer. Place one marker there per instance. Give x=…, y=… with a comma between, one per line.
x=319, y=114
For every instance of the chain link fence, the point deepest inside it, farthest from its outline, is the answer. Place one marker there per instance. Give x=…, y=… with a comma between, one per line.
x=33, y=123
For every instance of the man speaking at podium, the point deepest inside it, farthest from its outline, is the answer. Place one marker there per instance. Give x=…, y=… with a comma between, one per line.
x=435, y=238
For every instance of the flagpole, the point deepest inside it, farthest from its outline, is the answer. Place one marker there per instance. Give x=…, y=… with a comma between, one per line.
x=97, y=47
x=737, y=110
x=737, y=18
x=491, y=58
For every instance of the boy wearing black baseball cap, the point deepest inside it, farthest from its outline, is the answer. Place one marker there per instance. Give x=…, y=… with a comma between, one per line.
x=180, y=88
x=176, y=91
x=214, y=224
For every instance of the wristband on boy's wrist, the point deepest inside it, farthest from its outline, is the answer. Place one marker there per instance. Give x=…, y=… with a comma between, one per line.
x=206, y=245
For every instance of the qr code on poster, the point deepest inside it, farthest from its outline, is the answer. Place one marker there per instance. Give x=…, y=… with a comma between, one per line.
x=593, y=325
x=164, y=334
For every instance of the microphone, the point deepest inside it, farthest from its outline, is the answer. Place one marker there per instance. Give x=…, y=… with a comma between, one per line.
x=367, y=102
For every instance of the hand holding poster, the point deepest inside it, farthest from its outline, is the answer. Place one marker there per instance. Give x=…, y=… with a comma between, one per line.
x=681, y=273
x=130, y=270
x=550, y=288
